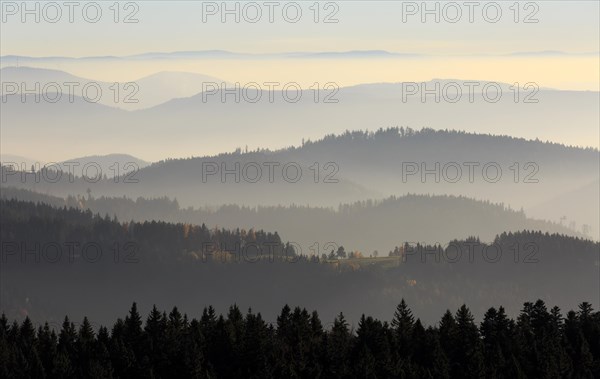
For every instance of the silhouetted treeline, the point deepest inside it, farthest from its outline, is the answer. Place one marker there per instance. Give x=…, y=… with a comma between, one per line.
x=540, y=343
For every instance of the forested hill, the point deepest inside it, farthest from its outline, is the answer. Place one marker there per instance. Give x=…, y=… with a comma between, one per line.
x=363, y=226
x=356, y=154
x=539, y=343
x=357, y=151
x=411, y=140
x=82, y=259
x=37, y=233
x=374, y=161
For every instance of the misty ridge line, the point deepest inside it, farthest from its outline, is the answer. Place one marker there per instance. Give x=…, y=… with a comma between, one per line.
x=126, y=93
x=366, y=165
x=130, y=95
x=364, y=134
x=44, y=70
x=286, y=219
x=390, y=152
x=345, y=209
x=292, y=55
x=205, y=244
x=304, y=115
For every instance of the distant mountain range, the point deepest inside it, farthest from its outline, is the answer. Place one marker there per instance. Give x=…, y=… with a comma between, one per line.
x=224, y=54
x=569, y=117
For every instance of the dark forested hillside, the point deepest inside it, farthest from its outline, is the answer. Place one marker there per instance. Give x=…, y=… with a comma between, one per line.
x=94, y=265
x=539, y=343
x=41, y=234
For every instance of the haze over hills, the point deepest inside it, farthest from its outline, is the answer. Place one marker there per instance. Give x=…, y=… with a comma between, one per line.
x=365, y=227
x=167, y=85
x=356, y=166
x=110, y=165
x=137, y=93
x=570, y=69
x=278, y=119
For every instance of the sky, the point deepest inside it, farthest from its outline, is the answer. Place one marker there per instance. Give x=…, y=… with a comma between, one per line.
x=479, y=41
x=143, y=26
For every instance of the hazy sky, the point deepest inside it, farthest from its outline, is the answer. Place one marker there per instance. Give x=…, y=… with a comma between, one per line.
x=570, y=26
